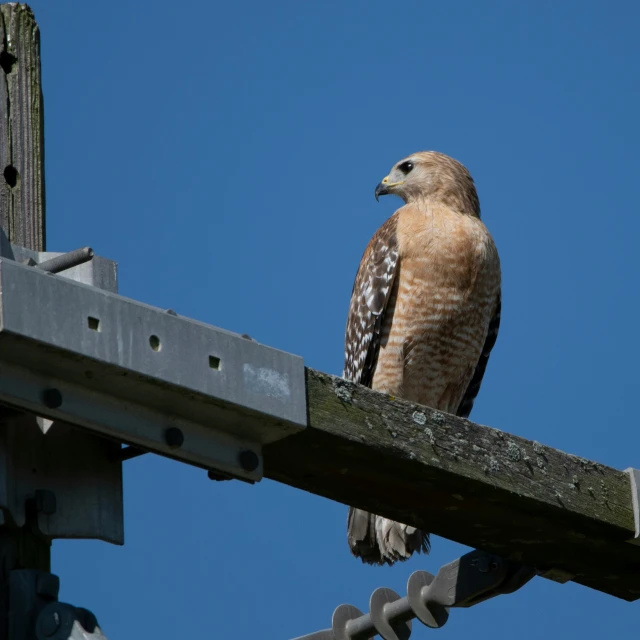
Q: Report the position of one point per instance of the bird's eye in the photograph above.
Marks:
(405, 167)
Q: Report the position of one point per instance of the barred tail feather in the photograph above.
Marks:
(377, 540)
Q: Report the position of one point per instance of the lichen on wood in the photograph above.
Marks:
(474, 484)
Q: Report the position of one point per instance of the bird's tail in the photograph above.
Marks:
(377, 540)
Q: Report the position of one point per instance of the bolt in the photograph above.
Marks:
(218, 476)
(174, 437)
(50, 625)
(248, 460)
(51, 398)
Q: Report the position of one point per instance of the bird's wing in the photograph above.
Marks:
(464, 409)
(369, 298)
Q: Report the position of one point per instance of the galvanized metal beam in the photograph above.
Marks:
(143, 376)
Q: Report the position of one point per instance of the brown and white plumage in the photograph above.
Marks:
(424, 314)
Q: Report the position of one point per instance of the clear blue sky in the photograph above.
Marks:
(225, 154)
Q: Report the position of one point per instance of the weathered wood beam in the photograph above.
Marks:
(479, 486)
(22, 199)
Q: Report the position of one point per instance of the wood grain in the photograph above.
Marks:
(22, 199)
(569, 517)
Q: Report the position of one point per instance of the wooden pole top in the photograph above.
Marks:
(22, 199)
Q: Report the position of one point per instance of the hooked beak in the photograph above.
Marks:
(384, 188)
(381, 190)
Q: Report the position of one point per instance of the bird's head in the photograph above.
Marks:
(432, 176)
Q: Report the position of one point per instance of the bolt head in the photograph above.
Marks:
(50, 624)
(249, 460)
(174, 437)
(51, 398)
(218, 476)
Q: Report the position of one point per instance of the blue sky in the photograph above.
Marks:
(225, 154)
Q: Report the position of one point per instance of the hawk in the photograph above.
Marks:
(424, 314)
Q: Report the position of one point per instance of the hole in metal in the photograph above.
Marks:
(214, 363)
(154, 343)
(93, 323)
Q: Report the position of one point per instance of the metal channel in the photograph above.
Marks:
(130, 371)
(127, 421)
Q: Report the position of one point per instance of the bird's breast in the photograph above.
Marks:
(441, 304)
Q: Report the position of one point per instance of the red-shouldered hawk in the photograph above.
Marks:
(424, 314)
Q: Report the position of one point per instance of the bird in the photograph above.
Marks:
(424, 314)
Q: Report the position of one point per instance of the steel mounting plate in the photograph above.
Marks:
(130, 371)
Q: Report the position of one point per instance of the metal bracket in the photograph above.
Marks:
(145, 377)
(40, 457)
(61, 621)
(34, 610)
(465, 582)
(79, 362)
(80, 265)
(634, 477)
